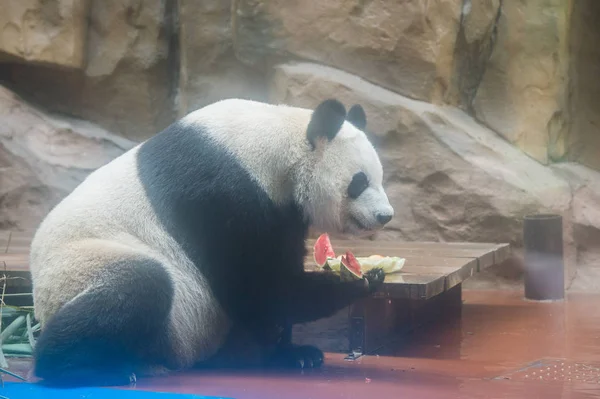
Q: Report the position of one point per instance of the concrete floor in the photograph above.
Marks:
(502, 347)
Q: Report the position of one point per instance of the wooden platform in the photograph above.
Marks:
(14, 249)
(14, 262)
(430, 268)
(428, 288)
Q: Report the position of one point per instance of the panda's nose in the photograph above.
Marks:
(384, 218)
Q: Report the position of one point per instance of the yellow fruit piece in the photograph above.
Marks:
(389, 264)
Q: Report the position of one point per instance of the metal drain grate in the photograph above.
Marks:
(558, 370)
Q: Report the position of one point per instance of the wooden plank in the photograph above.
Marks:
(4, 241)
(453, 270)
(486, 254)
(24, 233)
(484, 258)
(453, 275)
(502, 253)
(14, 256)
(15, 262)
(420, 285)
(425, 279)
(412, 286)
(421, 274)
(20, 241)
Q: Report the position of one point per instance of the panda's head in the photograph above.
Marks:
(341, 187)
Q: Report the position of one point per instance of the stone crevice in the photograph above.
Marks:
(488, 54)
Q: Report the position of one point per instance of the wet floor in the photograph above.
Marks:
(502, 347)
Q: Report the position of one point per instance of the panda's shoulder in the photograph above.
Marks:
(233, 106)
(233, 110)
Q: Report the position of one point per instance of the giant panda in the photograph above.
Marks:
(188, 249)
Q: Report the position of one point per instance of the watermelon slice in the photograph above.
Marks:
(322, 250)
(350, 269)
(325, 258)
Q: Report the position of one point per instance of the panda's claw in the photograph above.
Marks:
(375, 278)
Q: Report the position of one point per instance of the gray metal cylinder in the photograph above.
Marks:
(544, 263)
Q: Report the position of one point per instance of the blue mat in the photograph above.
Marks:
(21, 390)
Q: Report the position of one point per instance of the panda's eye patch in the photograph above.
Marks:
(358, 184)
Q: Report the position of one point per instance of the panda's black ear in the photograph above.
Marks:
(357, 116)
(326, 121)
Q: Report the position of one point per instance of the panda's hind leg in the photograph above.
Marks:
(111, 330)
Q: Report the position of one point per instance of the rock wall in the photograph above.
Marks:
(483, 111)
(522, 94)
(584, 143)
(50, 32)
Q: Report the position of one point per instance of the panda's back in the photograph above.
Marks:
(131, 195)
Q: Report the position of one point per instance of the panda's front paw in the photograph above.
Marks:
(375, 278)
(298, 357)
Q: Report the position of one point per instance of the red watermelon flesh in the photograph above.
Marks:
(351, 264)
(323, 250)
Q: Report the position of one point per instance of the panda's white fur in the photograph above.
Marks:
(110, 219)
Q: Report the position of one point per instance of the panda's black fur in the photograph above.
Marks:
(238, 237)
(96, 338)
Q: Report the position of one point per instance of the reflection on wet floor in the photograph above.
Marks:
(499, 348)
